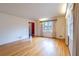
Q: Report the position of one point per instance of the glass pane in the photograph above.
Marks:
(50, 23)
(46, 23)
(47, 26)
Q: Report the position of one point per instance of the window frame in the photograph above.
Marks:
(47, 27)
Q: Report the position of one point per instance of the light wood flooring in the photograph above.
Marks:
(39, 46)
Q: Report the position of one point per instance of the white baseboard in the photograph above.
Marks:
(4, 43)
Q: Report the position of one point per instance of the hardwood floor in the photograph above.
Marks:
(37, 47)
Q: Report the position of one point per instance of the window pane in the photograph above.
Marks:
(47, 26)
(45, 23)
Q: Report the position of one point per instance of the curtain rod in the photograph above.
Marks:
(48, 20)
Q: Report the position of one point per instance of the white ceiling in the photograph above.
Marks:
(34, 10)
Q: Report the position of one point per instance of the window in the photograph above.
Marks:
(70, 25)
(47, 26)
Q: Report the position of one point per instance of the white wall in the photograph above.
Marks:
(12, 28)
(60, 27)
(38, 28)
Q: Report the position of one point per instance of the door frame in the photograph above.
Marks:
(30, 29)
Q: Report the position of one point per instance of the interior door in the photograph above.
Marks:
(33, 28)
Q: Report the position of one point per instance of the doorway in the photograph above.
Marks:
(31, 29)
